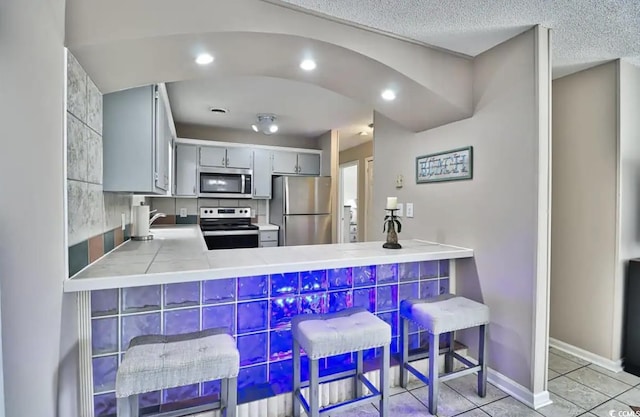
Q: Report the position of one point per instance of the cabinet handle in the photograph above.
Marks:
(223, 158)
(194, 190)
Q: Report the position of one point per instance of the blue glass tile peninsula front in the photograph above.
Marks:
(257, 311)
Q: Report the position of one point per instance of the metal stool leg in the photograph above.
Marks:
(384, 381)
(404, 351)
(434, 350)
(296, 378)
(448, 357)
(232, 397)
(482, 361)
(357, 387)
(314, 389)
(124, 407)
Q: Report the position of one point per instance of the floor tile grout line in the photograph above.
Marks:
(597, 390)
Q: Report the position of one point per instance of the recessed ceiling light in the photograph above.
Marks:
(308, 65)
(204, 59)
(363, 133)
(388, 95)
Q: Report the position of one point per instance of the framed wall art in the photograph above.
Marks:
(453, 165)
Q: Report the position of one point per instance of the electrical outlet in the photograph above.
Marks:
(409, 209)
(183, 212)
(400, 208)
(123, 221)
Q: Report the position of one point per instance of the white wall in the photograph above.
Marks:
(350, 183)
(32, 248)
(189, 131)
(584, 209)
(629, 189)
(495, 213)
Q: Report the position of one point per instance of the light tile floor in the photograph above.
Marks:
(577, 388)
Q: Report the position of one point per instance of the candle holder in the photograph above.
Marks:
(390, 222)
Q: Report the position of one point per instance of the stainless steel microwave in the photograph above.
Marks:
(224, 183)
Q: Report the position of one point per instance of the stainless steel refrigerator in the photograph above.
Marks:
(301, 206)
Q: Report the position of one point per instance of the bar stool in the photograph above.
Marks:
(158, 362)
(443, 314)
(323, 335)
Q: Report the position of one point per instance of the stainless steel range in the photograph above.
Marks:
(228, 228)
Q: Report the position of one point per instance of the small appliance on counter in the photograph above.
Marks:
(228, 228)
(141, 222)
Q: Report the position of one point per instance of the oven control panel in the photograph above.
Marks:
(225, 212)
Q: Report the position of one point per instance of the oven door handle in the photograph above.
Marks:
(230, 233)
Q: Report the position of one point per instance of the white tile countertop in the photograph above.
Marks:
(267, 227)
(179, 254)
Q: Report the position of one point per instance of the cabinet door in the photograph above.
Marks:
(309, 164)
(128, 141)
(161, 147)
(239, 157)
(261, 173)
(285, 162)
(185, 170)
(212, 156)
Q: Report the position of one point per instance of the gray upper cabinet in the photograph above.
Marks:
(185, 170)
(136, 140)
(287, 162)
(261, 174)
(309, 164)
(211, 156)
(232, 157)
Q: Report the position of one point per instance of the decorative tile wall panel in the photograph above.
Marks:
(219, 291)
(259, 322)
(253, 287)
(182, 294)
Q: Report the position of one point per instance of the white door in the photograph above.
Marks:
(368, 195)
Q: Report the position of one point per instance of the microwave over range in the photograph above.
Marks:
(224, 183)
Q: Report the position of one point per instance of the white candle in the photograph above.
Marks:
(392, 203)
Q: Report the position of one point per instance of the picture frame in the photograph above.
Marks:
(451, 165)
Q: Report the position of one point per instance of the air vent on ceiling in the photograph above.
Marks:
(219, 110)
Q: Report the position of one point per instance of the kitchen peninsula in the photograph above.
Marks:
(172, 284)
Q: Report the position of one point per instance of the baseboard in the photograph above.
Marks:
(611, 365)
(517, 391)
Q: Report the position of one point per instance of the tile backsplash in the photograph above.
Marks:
(92, 214)
(172, 206)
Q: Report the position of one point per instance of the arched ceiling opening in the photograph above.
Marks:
(125, 64)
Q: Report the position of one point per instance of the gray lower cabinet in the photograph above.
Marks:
(261, 174)
(292, 163)
(268, 238)
(186, 170)
(136, 142)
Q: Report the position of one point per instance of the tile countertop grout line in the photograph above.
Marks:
(331, 256)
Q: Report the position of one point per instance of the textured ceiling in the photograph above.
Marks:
(585, 32)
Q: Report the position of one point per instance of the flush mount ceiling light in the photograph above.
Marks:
(266, 124)
(204, 59)
(363, 133)
(308, 65)
(388, 95)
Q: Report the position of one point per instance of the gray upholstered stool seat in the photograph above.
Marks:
(324, 335)
(443, 314)
(158, 362)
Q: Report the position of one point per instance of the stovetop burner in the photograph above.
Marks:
(226, 218)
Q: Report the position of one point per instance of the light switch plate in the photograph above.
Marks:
(123, 220)
(183, 212)
(400, 208)
(409, 209)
